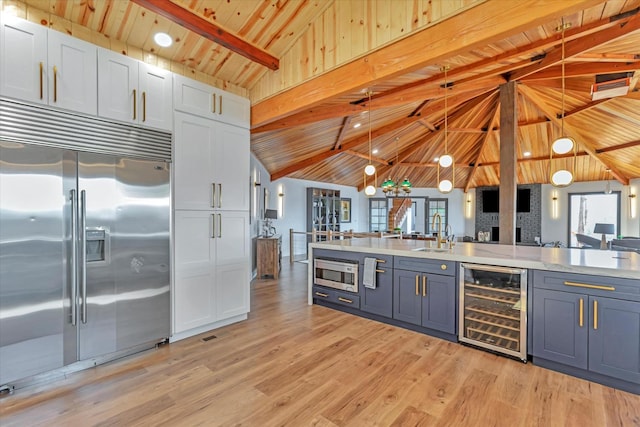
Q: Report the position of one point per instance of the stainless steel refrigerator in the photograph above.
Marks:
(84, 257)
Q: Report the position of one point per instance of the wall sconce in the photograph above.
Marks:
(467, 206)
(632, 204)
(256, 192)
(281, 202)
(554, 205)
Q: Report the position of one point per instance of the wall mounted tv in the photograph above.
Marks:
(491, 200)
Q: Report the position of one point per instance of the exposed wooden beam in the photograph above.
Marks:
(209, 30)
(618, 147)
(492, 123)
(576, 47)
(537, 100)
(537, 159)
(619, 57)
(343, 130)
(577, 70)
(366, 157)
(586, 107)
(508, 164)
(483, 24)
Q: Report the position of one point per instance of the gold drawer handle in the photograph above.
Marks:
(320, 294)
(581, 312)
(381, 260)
(345, 300)
(381, 271)
(584, 285)
(417, 291)
(595, 314)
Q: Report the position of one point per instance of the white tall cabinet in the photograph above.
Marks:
(211, 222)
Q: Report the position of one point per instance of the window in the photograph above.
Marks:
(378, 214)
(440, 206)
(588, 209)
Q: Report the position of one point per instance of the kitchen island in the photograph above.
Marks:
(580, 308)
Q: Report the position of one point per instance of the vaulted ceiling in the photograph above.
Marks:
(303, 122)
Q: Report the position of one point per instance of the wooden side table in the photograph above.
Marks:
(269, 255)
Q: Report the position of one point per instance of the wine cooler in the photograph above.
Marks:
(493, 308)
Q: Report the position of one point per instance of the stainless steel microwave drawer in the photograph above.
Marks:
(614, 287)
(422, 265)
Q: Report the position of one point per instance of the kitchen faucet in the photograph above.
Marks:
(433, 225)
(450, 236)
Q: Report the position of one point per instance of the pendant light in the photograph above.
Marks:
(370, 169)
(446, 160)
(607, 185)
(564, 144)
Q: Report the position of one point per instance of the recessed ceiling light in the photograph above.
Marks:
(375, 151)
(163, 39)
(527, 153)
(356, 125)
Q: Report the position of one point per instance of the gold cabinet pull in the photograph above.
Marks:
(220, 225)
(55, 84)
(584, 285)
(219, 195)
(443, 267)
(380, 260)
(213, 194)
(320, 294)
(213, 226)
(144, 106)
(581, 323)
(417, 291)
(135, 95)
(41, 83)
(220, 105)
(380, 271)
(595, 314)
(345, 300)
(214, 104)
(424, 286)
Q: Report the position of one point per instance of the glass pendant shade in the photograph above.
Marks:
(406, 184)
(446, 160)
(562, 145)
(445, 186)
(369, 169)
(370, 190)
(561, 178)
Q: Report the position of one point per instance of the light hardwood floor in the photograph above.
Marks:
(292, 364)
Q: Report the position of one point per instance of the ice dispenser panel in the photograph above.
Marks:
(97, 240)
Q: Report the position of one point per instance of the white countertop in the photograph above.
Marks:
(584, 261)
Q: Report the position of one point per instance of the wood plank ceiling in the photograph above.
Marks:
(307, 130)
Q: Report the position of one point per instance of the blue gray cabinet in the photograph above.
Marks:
(379, 300)
(588, 322)
(423, 298)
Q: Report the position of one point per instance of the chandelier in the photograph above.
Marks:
(396, 188)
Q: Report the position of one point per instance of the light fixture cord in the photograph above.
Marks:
(446, 136)
(369, 92)
(562, 64)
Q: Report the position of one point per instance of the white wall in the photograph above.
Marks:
(554, 229)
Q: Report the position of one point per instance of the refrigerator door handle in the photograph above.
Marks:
(74, 258)
(83, 251)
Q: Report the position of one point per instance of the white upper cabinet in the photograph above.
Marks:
(203, 100)
(72, 72)
(133, 92)
(23, 58)
(231, 167)
(47, 67)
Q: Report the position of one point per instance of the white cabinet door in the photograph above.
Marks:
(117, 86)
(23, 60)
(232, 290)
(231, 167)
(206, 101)
(232, 237)
(193, 183)
(156, 97)
(194, 293)
(72, 71)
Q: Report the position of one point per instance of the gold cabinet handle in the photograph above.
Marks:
(144, 106)
(424, 286)
(417, 292)
(55, 84)
(380, 260)
(213, 226)
(595, 314)
(345, 300)
(214, 104)
(41, 83)
(581, 323)
(220, 225)
(213, 194)
(135, 95)
(584, 285)
(320, 294)
(380, 271)
(219, 195)
(220, 105)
